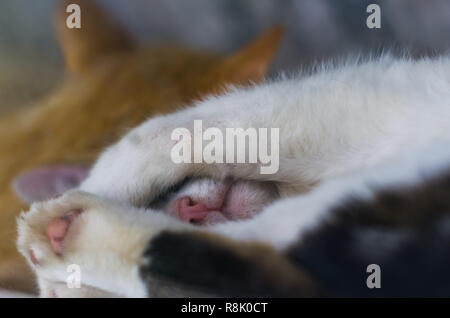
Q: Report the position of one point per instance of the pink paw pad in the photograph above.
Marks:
(58, 228)
(33, 258)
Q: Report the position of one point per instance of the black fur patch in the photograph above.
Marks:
(405, 230)
(219, 267)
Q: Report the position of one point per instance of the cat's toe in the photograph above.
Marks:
(33, 258)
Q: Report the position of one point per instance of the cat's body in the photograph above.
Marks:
(371, 141)
(112, 86)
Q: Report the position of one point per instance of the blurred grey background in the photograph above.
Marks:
(30, 61)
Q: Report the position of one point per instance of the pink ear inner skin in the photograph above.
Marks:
(48, 182)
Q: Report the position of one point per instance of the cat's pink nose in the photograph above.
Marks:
(191, 211)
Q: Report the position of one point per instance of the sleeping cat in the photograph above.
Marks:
(112, 85)
(363, 179)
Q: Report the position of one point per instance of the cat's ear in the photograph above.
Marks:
(47, 182)
(251, 63)
(98, 36)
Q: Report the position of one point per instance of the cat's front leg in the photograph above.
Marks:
(82, 237)
(163, 151)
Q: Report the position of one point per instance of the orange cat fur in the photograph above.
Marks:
(112, 86)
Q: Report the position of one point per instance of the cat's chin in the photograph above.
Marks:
(205, 202)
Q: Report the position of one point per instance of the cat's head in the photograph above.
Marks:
(204, 201)
(104, 55)
(113, 85)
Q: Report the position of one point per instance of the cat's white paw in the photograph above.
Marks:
(43, 231)
(82, 230)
